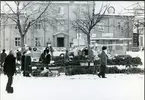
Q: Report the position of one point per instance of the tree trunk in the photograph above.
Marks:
(88, 40)
(22, 43)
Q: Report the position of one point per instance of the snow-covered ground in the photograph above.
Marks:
(77, 87)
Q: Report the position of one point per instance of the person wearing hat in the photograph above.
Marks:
(3, 56)
(103, 61)
(10, 70)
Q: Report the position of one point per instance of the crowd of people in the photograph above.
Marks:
(8, 62)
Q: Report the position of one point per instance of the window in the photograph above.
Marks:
(141, 41)
(82, 10)
(118, 47)
(60, 25)
(79, 35)
(98, 41)
(101, 26)
(135, 39)
(105, 42)
(119, 42)
(37, 25)
(38, 42)
(60, 10)
(110, 41)
(17, 41)
(60, 42)
(93, 35)
(119, 25)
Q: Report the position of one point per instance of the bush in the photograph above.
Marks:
(136, 61)
(126, 60)
(112, 70)
(118, 60)
(79, 70)
(129, 70)
(109, 70)
(135, 70)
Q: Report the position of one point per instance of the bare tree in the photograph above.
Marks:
(137, 10)
(25, 15)
(89, 21)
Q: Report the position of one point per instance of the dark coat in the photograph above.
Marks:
(85, 51)
(18, 55)
(27, 63)
(103, 58)
(66, 58)
(22, 62)
(3, 57)
(10, 65)
(45, 59)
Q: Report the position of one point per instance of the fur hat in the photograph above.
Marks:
(104, 48)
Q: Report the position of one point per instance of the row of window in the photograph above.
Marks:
(109, 41)
(37, 41)
(61, 25)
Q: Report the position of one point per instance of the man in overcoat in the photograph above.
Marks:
(9, 70)
(103, 61)
(3, 56)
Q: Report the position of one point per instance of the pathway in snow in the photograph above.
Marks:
(78, 87)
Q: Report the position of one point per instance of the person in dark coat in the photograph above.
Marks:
(22, 61)
(9, 70)
(27, 64)
(45, 57)
(3, 56)
(42, 57)
(103, 61)
(51, 51)
(85, 50)
(18, 55)
(66, 58)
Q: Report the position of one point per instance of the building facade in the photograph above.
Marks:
(113, 31)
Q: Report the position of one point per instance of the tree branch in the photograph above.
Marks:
(31, 23)
(10, 8)
(25, 6)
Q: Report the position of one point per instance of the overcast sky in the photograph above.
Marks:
(118, 5)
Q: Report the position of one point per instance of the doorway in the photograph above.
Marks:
(60, 42)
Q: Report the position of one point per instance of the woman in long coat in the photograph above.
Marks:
(27, 64)
(9, 70)
(22, 61)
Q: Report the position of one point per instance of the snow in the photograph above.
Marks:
(77, 87)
